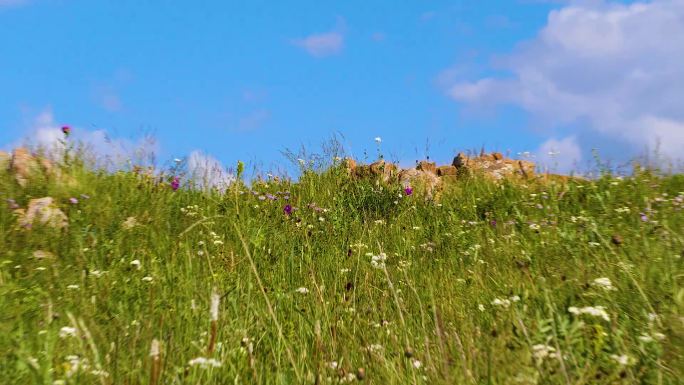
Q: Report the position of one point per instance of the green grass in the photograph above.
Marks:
(426, 315)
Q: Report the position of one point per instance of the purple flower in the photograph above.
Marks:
(66, 130)
(287, 209)
(73, 201)
(408, 191)
(493, 223)
(644, 217)
(175, 183)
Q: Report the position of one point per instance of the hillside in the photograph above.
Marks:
(340, 277)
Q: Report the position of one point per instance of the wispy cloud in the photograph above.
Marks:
(207, 172)
(44, 132)
(321, 45)
(602, 65)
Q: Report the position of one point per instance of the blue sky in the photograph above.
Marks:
(245, 80)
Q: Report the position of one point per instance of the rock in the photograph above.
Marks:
(380, 169)
(24, 166)
(5, 159)
(43, 211)
(425, 180)
(349, 164)
(446, 170)
(427, 166)
(494, 166)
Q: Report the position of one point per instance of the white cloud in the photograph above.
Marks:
(617, 69)
(45, 133)
(559, 155)
(320, 45)
(207, 172)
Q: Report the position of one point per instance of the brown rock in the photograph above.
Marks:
(43, 211)
(461, 160)
(494, 166)
(427, 166)
(349, 164)
(383, 169)
(423, 180)
(446, 170)
(24, 166)
(5, 159)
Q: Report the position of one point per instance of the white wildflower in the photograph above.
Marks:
(147, 279)
(378, 261)
(481, 307)
(374, 348)
(416, 364)
(135, 263)
(67, 331)
(541, 351)
(378, 140)
(214, 308)
(204, 362)
(623, 359)
(594, 311)
(505, 303)
(302, 290)
(72, 287)
(604, 283)
(155, 348)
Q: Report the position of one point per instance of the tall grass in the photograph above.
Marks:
(492, 284)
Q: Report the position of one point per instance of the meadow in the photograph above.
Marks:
(329, 279)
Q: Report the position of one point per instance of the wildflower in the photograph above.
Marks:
(374, 348)
(66, 130)
(378, 140)
(481, 307)
(154, 349)
(623, 359)
(302, 290)
(73, 201)
(135, 263)
(204, 362)
(129, 223)
(416, 364)
(147, 279)
(175, 183)
(287, 209)
(177, 160)
(67, 331)
(214, 309)
(505, 303)
(535, 227)
(604, 283)
(72, 287)
(644, 217)
(541, 351)
(594, 311)
(378, 261)
(408, 190)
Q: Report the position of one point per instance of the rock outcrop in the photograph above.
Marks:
(493, 165)
(42, 211)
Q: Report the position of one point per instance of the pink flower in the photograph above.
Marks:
(66, 130)
(408, 191)
(175, 183)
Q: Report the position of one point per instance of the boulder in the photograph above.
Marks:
(425, 165)
(425, 180)
(380, 169)
(5, 159)
(43, 211)
(24, 166)
(494, 166)
(446, 170)
(349, 164)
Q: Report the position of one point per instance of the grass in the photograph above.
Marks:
(358, 284)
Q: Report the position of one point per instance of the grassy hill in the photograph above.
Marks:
(335, 280)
